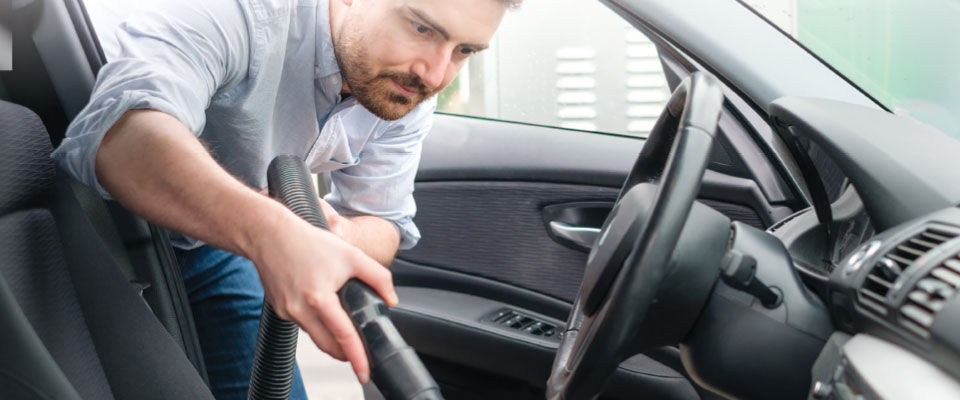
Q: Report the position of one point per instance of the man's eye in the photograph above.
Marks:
(467, 51)
(421, 28)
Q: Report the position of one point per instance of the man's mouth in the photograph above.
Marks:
(404, 90)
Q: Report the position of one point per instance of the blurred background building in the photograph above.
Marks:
(567, 63)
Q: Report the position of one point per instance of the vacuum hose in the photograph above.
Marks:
(396, 368)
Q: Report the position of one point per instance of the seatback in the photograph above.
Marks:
(71, 325)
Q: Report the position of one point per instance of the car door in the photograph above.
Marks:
(520, 172)
(508, 202)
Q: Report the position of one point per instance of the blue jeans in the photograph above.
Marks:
(226, 298)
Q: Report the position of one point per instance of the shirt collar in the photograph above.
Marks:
(326, 63)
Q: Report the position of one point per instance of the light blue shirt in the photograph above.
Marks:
(255, 79)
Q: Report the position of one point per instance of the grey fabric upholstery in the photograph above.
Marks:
(26, 172)
(32, 263)
(77, 325)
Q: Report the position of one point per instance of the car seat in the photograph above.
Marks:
(71, 325)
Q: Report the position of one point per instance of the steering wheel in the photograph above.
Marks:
(630, 260)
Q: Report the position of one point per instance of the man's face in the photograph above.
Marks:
(393, 54)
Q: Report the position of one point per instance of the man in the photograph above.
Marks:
(201, 96)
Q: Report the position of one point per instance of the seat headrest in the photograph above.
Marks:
(26, 170)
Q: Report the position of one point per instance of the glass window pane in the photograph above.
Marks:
(900, 52)
(565, 63)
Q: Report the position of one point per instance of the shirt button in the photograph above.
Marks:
(316, 70)
(334, 80)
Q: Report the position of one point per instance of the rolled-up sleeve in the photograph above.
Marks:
(172, 60)
(381, 184)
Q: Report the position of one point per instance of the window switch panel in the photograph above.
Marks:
(521, 322)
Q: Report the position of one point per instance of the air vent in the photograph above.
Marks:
(929, 295)
(892, 265)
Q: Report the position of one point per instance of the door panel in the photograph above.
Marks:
(496, 230)
(505, 363)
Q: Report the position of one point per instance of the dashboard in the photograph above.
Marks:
(888, 272)
(894, 303)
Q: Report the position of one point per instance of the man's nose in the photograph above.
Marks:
(432, 68)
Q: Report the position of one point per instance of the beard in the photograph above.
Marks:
(376, 91)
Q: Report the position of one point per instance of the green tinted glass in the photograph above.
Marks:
(902, 53)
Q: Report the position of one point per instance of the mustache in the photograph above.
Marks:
(407, 80)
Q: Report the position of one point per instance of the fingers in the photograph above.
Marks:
(378, 278)
(324, 341)
(332, 217)
(340, 327)
(327, 209)
(311, 324)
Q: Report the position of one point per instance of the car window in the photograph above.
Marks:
(563, 63)
(901, 53)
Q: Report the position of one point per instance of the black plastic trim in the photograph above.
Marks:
(901, 168)
(87, 35)
(177, 296)
(454, 336)
(410, 274)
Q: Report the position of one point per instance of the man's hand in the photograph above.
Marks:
(302, 268)
(338, 224)
(376, 236)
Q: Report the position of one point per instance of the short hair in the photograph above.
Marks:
(512, 3)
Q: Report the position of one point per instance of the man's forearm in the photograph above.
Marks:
(377, 237)
(154, 165)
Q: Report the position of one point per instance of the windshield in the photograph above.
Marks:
(902, 53)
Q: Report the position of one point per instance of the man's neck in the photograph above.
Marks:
(337, 11)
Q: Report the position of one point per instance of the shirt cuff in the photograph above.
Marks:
(409, 234)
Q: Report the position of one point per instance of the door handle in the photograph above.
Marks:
(583, 236)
